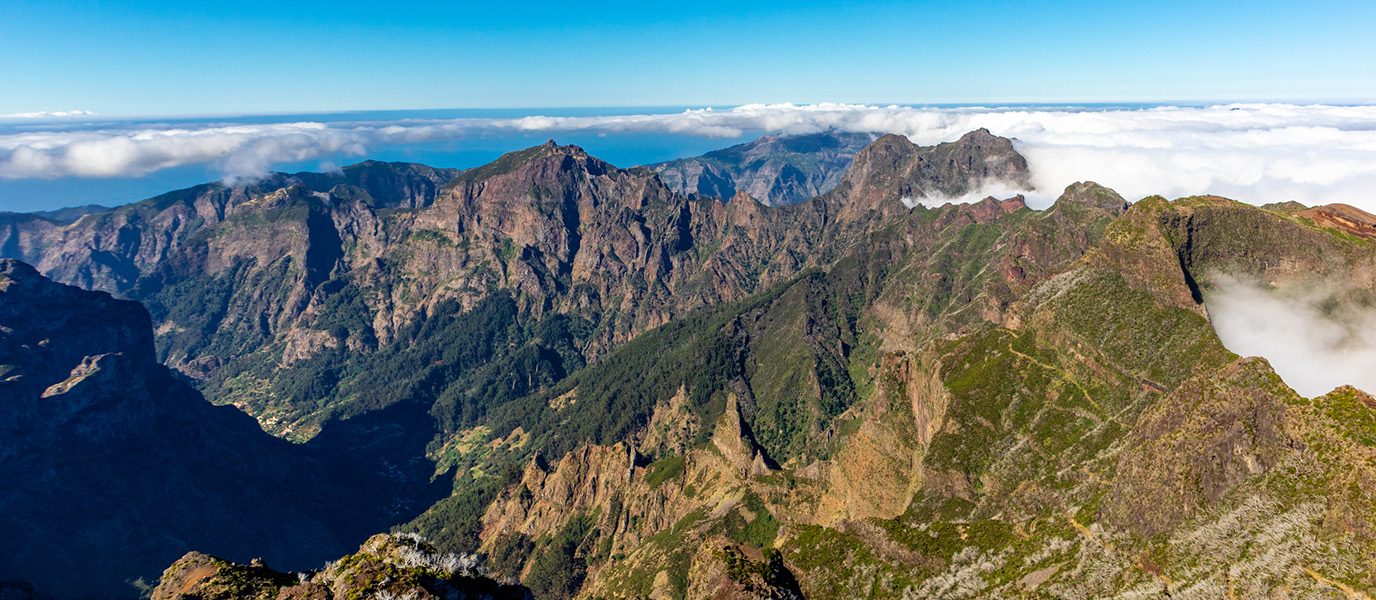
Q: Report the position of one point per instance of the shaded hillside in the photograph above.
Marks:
(775, 169)
(113, 467)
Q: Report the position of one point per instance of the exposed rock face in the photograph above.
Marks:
(894, 168)
(1082, 434)
(1343, 217)
(723, 570)
(737, 445)
(1193, 447)
(384, 566)
(776, 169)
(103, 448)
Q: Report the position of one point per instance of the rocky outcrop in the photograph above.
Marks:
(1192, 448)
(732, 438)
(1343, 217)
(386, 566)
(723, 570)
(893, 169)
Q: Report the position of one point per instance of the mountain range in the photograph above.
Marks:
(627, 386)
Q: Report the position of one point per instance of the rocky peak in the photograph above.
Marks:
(533, 160)
(1087, 195)
(736, 442)
(777, 169)
(892, 169)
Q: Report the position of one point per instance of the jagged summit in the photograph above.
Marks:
(1087, 195)
(893, 173)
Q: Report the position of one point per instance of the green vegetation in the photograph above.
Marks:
(661, 471)
(508, 555)
(504, 164)
(558, 568)
(455, 522)
(1353, 412)
(761, 528)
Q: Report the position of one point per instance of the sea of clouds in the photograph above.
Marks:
(1257, 153)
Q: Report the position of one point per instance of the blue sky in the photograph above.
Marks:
(174, 58)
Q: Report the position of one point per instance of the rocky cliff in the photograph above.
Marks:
(385, 566)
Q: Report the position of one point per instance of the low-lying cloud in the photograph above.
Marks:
(997, 189)
(1315, 339)
(48, 114)
(1256, 153)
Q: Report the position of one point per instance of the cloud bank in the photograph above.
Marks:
(1315, 339)
(1256, 153)
(45, 114)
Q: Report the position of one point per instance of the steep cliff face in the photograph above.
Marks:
(113, 466)
(893, 168)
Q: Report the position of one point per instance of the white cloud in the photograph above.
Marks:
(1315, 338)
(1256, 153)
(43, 114)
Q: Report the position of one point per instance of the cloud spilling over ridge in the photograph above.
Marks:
(1313, 339)
(997, 189)
(1257, 153)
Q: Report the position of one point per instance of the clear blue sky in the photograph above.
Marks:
(177, 57)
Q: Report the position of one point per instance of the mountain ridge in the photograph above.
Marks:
(642, 394)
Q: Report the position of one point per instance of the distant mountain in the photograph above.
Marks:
(774, 169)
(113, 467)
(65, 215)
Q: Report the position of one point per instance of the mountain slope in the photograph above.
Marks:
(1087, 436)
